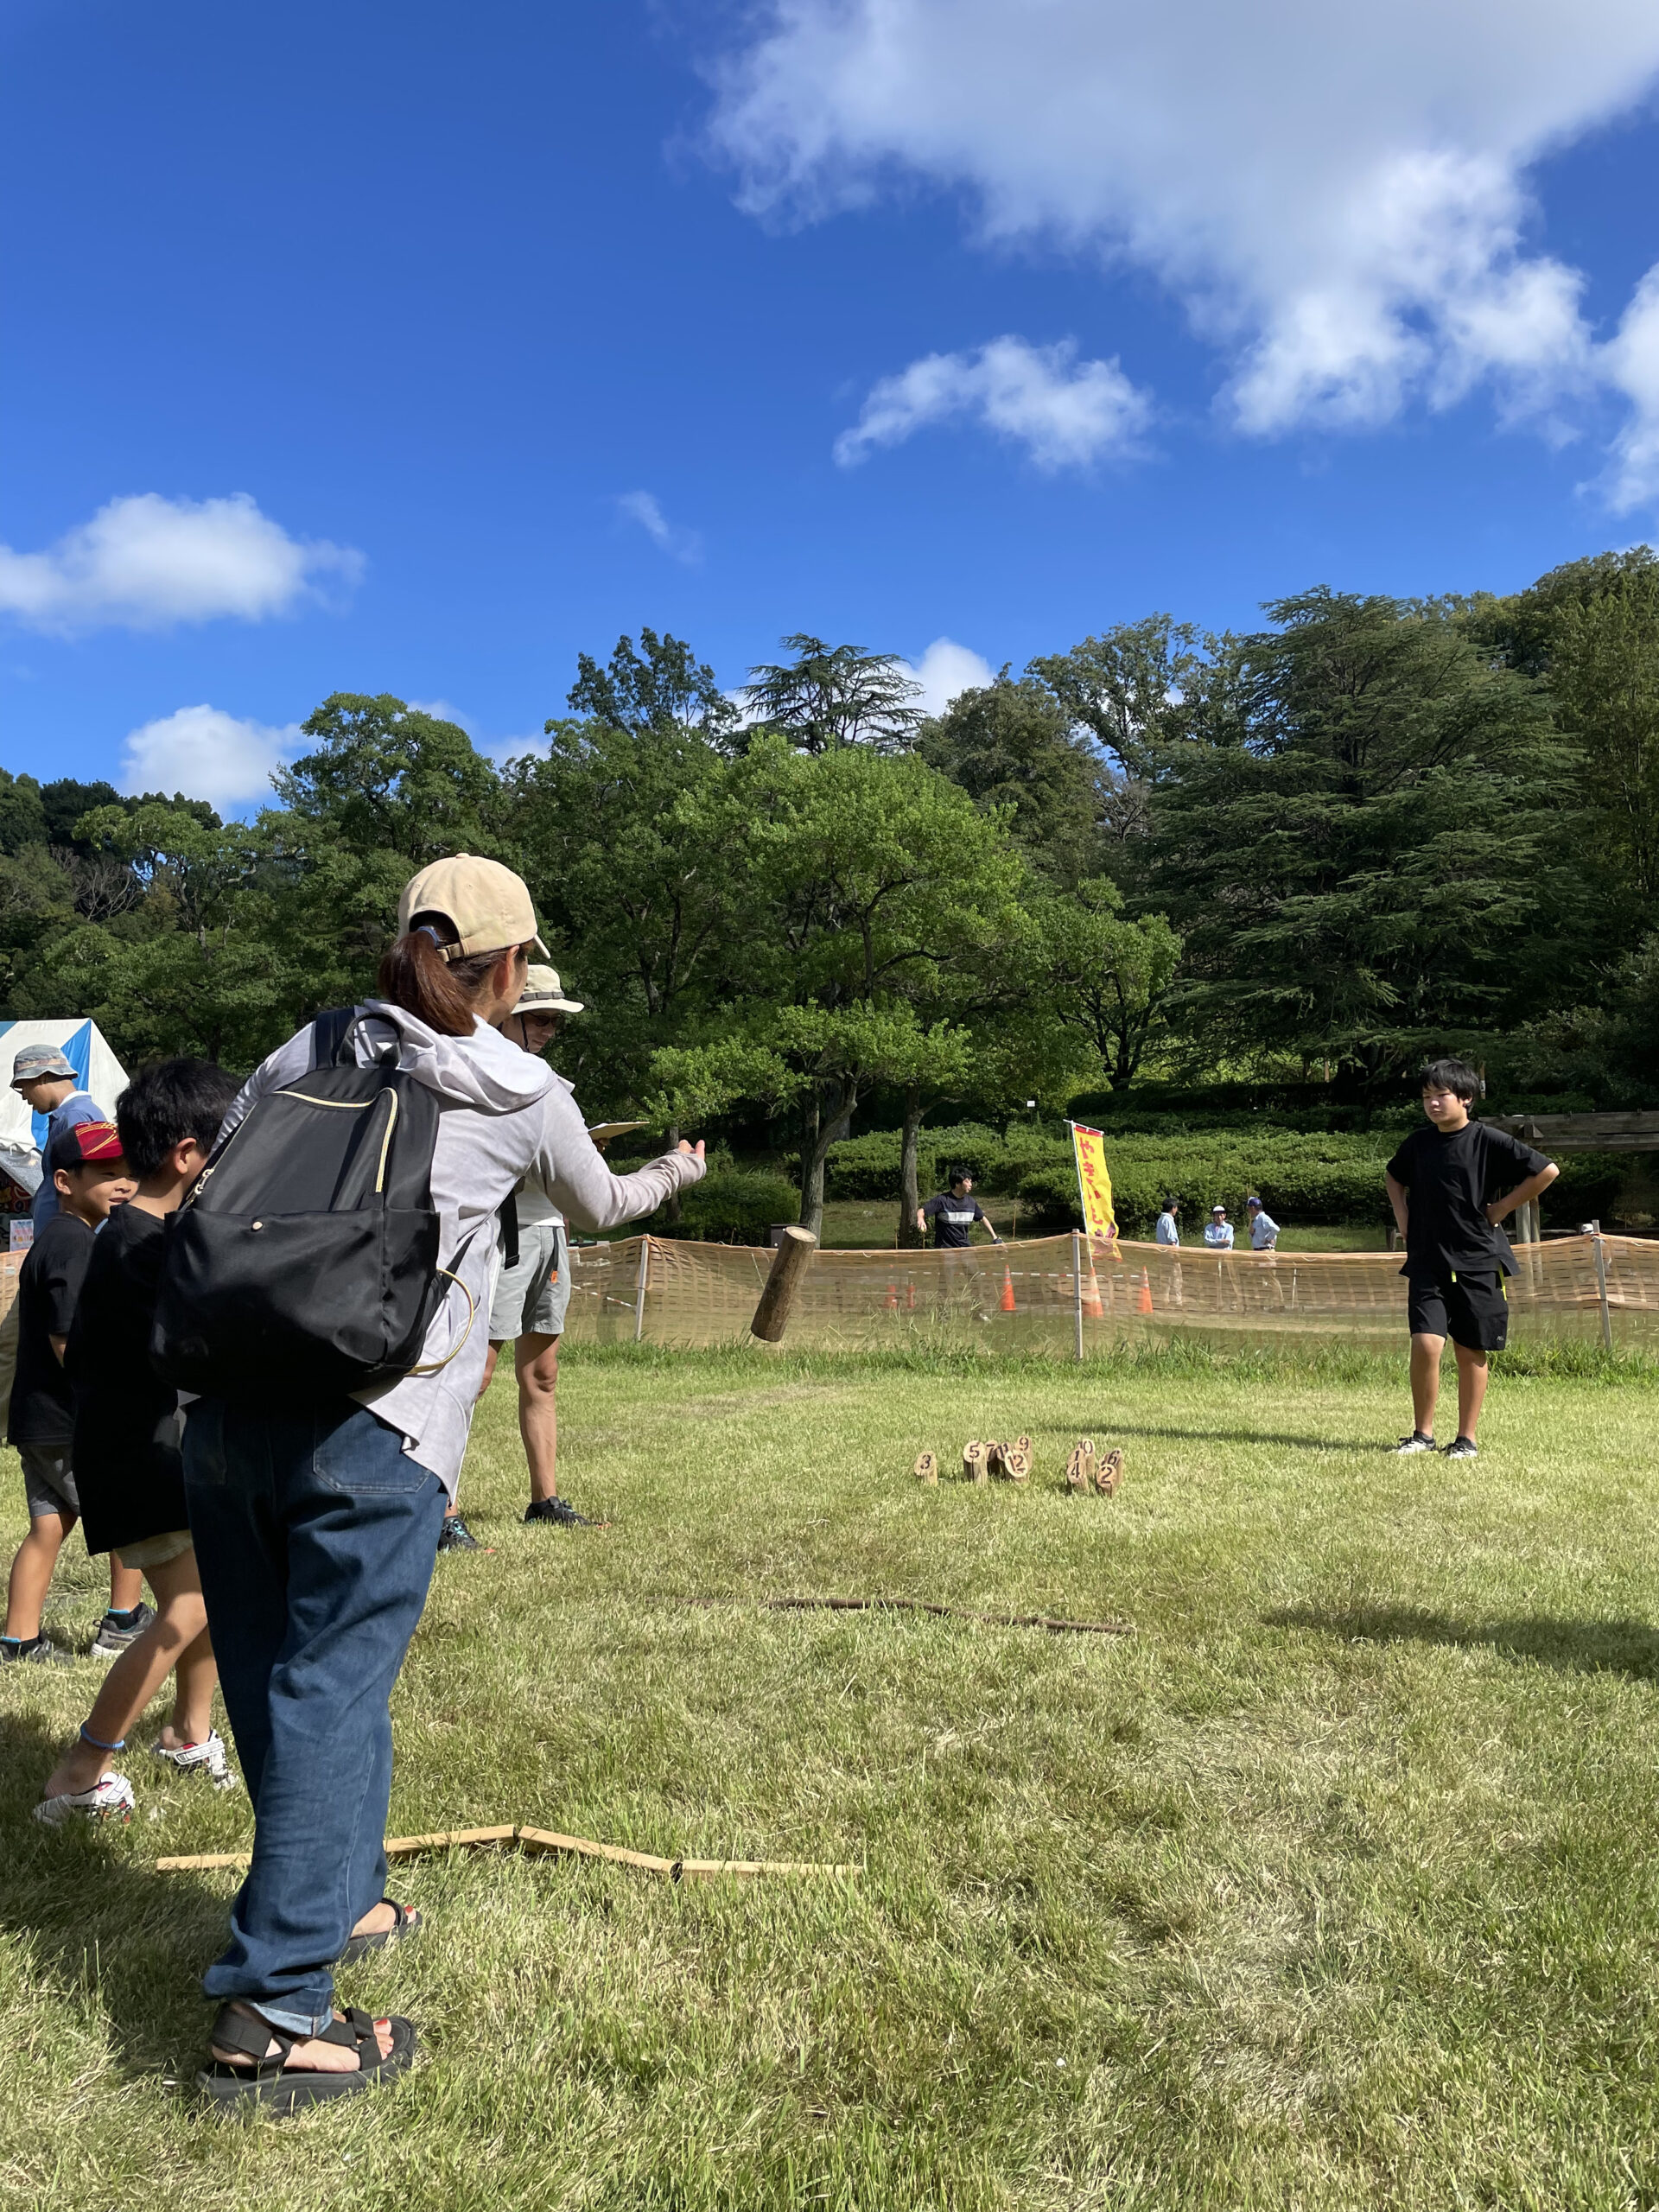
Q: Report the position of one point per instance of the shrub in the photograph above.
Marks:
(1325, 1179)
(734, 1205)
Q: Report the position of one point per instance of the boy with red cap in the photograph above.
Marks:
(85, 1167)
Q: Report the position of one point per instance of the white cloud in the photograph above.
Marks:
(679, 544)
(146, 563)
(1338, 194)
(1631, 359)
(207, 754)
(944, 671)
(1065, 412)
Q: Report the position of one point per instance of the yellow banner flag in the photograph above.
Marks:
(1094, 1184)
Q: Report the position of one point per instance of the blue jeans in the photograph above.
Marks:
(316, 1535)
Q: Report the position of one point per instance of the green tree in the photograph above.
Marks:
(1012, 745)
(1106, 977)
(1604, 678)
(386, 779)
(1348, 836)
(831, 696)
(665, 688)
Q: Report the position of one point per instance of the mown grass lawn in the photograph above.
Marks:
(1332, 1886)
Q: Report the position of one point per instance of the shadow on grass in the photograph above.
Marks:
(1572, 1646)
(1159, 1432)
(100, 1927)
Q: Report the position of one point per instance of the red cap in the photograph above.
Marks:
(83, 1141)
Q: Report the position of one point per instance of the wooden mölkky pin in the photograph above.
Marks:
(1108, 1474)
(1016, 1463)
(1080, 1465)
(927, 1469)
(973, 1462)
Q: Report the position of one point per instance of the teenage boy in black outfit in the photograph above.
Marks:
(1449, 1185)
(85, 1165)
(129, 1456)
(953, 1215)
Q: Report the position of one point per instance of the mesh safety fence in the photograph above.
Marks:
(1055, 1293)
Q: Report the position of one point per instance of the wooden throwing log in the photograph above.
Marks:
(788, 1265)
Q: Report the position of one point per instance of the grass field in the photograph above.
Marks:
(1332, 1886)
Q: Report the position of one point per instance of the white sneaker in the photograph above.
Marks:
(1415, 1442)
(209, 1757)
(109, 1799)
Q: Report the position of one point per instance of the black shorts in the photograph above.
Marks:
(1472, 1310)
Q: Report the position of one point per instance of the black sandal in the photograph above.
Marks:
(268, 2081)
(407, 1921)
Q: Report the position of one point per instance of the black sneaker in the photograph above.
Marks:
(117, 1630)
(31, 1651)
(1461, 1447)
(1415, 1442)
(558, 1511)
(456, 1537)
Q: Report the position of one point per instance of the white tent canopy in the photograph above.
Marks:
(96, 1070)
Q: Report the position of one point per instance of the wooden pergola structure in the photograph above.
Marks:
(1554, 1133)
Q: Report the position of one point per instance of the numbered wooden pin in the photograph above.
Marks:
(927, 1468)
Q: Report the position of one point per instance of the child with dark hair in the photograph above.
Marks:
(85, 1167)
(128, 1451)
(1450, 1186)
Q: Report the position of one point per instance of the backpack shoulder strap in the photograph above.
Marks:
(330, 1030)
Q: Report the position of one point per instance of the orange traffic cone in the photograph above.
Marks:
(1008, 1289)
(910, 1295)
(1091, 1304)
(892, 1298)
(1143, 1304)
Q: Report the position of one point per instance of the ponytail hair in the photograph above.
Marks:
(415, 975)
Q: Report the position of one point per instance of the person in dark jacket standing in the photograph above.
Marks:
(1452, 1186)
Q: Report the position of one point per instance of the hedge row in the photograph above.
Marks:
(732, 1205)
(1309, 1175)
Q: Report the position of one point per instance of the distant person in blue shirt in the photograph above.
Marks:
(48, 1085)
(1264, 1230)
(1218, 1231)
(1168, 1232)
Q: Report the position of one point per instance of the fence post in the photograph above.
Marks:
(1601, 1289)
(639, 1296)
(1077, 1282)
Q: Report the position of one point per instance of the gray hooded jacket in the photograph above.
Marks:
(505, 1114)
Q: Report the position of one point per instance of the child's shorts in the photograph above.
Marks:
(1472, 1310)
(48, 1480)
(153, 1551)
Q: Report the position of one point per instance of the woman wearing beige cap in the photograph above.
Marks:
(316, 1524)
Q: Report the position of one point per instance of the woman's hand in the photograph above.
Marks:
(694, 1150)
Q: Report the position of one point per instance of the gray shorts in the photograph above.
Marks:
(153, 1551)
(531, 1298)
(48, 1480)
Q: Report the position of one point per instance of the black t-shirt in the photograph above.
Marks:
(48, 1286)
(952, 1218)
(128, 1457)
(1452, 1176)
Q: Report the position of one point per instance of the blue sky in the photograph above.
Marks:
(417, 349)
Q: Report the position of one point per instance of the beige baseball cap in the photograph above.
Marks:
(544, 994)
(489, 905)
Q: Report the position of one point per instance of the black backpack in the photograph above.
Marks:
(303, 1264)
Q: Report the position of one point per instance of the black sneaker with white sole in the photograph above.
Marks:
(557, 1510)
(31, 1651)
(1415, 1442)
(117, 1630)
(456, 1537)
(1461, 1447)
